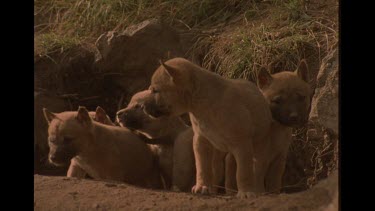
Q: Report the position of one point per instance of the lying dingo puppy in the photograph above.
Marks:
(175, 141)
(103, 151)
(230, 115)
(99, 116)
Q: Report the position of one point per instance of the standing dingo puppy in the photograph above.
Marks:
(229, 115)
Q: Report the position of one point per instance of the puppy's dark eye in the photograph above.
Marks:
(68, 140)
(137, 106)
(276, 99)
(154, 91)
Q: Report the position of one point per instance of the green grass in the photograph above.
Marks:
(92, 17)
(50, 43)
(284, 31)
(276, 40)
(85, 20)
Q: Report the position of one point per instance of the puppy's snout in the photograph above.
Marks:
(120, 113)
(128, 119)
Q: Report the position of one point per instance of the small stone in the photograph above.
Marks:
(123, 186)
(110, 185)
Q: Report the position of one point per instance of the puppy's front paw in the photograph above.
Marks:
(200, 189)
(245, 195)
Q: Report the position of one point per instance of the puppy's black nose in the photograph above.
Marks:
(119, 114)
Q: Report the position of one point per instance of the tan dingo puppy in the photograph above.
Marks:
(230, 115)
(99, 116)
(174, 145)
(103, 151)
(288, 94)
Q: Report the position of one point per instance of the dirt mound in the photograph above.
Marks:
(119, 65)
(75, 194)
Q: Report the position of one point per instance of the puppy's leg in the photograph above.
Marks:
(275, 174)
(245, 167)
(75, 170)
(183, 165)
(260, 168)
(165, 164)
(203, 159)
(218, 163)
(166, 180)
(230, 174)
(155, 181)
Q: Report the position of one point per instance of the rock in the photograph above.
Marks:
(134, 54)
(110, 185)
(324, 105)
(322, 131)
(313, 153)
(334, 205)
(66, 72)
(331, 186)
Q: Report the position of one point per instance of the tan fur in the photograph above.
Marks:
(288, 94)
(75, 170)
(175, 141)
(103, 151)
(227, 115)
(99, 116)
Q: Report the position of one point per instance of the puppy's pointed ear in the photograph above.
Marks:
(100, 115)
(303, 71)
(83, 116)
(48, 115)
(264, 78)
(172, 72)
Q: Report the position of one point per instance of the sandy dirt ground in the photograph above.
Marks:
(62, 193)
